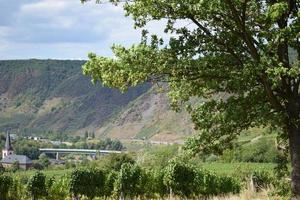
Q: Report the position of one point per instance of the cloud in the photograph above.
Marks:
(62, 29)
(46, 6)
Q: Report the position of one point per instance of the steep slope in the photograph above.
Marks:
(149, 117)
(54, 95)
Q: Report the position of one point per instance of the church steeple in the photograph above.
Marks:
(8, 143)
(8, 150)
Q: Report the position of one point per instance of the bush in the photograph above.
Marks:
(17, 190)
(211, 184)
(36, 186)
(5, 183)
(128, 182)
(211, 158)
(180, 178)
(261, 151)
(109, 183)
(87, 182)
(115, 161)
(58, 189)
(261, 179)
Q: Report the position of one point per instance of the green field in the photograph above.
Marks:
(233, 168)
(49, 173)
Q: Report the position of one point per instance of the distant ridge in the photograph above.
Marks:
(53, 95)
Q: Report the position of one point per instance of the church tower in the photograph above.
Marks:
(8, 150)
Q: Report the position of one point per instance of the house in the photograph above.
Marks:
(9, 158)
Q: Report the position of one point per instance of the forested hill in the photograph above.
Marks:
(54, 95)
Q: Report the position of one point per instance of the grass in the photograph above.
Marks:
(147, 132)
(247, 194)
(56, 173)
(233, 168)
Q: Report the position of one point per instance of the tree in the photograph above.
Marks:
(15, 166)
(36, 186)
(44, 160)
(242, 56)
(115, 161)
(86, 135)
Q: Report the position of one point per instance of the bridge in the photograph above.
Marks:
(91, 152)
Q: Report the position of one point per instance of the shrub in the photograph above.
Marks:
(109, 183)
(5, 183)
(180, 178)
(115, 161)
(17, 190)
(58, 189)
(210, 184)
(128, 182)
(87, 182)
(261, 151)
(261, 179)
(36, 186)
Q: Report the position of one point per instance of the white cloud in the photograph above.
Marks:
(64, 29)
(45, 6)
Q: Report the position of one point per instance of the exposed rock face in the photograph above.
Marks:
(150, 117)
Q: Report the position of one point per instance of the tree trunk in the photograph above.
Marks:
(294, 142)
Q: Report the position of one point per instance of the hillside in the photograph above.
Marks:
(53, 95)
(149, 117)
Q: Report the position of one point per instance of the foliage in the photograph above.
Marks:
(128, 182)
(158, 156)
(158, 182)
(131, 181)
(5, 184)
(106, 144)
(115, 161)
(109, 183)
(17, 189)
(281, 181)
(211, 184)
(234, 54)
(261, 179)
(87, 182)
(15, 166)
(2, 169)
(180, 178)
(58, 190)
(263, 150)
(44, 160)
(36, 186)
(30, 148)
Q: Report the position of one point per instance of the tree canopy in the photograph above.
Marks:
(241, 56)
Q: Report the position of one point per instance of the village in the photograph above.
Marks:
(12, 160)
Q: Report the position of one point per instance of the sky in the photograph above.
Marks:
(63, 29)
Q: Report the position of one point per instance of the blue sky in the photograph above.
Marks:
(63, 29)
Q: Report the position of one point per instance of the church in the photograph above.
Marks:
(9, 158)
